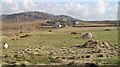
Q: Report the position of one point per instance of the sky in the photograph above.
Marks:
(81, 9)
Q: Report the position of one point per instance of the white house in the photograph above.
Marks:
(56, 25)
(76, 22)
(73, 22)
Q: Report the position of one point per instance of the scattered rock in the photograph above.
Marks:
(91, 65)
(63, 48)
(107, 29)
(64, 55)
(106, 44)
(87, 35)
(28, 49)
(5, 55)
(78, 46)
(75, 33)
(25, 35)
(26, 62)
(17, 63)
(14, 38)
(23, 65)
(55, 59)
(70, 57)
(80, 33)
(71, 63)
(82, 57)
(67, 62)
(87, 56)
(36, 53)
(97, 51)
(20, 31)
(99, 55)
(94, 36)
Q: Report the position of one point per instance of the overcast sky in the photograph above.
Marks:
(81, 9)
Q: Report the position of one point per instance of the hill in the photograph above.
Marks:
(34, 15)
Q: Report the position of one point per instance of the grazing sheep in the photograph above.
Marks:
(5, 46)
(50, 30)
(73, 33)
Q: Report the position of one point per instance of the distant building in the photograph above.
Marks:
(73, 23)
(60, 23)
(57, 25)
(76, 22)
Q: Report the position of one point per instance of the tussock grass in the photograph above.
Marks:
(58, 39)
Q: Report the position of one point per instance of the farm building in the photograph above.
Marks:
(57, 25)
(73, 23)
(60, 23)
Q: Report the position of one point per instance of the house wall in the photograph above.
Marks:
(56, 24)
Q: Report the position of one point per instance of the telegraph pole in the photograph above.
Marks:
(17, 25)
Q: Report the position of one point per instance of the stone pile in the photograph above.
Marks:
(95, 43)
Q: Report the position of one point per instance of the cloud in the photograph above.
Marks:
(10, 7)
(8, 1)
(83, 10)
(76, 9)
(101, 6)
(28, 4)
(97, 8)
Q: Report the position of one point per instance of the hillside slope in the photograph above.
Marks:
(34, 15)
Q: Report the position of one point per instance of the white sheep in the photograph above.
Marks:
(5, 46)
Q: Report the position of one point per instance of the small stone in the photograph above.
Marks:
(67, 62)
(70, 57)
(100, 55)
(55, 59)
(17, 63)
(82, 57)
(88, 56)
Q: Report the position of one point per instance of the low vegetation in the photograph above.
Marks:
(59, 45)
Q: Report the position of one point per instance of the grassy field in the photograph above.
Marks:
(50, 44)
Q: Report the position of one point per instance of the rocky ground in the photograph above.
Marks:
(91, 51)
